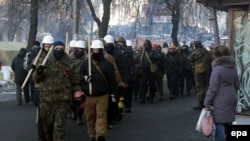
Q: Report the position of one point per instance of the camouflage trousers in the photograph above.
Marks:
(54, 119)
(96, 115)
(201, 85)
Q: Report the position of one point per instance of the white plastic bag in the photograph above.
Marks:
(198, 125)
(207, 123)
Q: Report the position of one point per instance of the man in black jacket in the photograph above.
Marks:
(149, 60)
(20, 75)
(103, 85)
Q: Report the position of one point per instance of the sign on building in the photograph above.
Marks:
(162, 19)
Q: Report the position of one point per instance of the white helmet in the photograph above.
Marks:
(129, 43)
(97, 44)
(72, 43)
(80, 44)
(48, 39)
(109, 39)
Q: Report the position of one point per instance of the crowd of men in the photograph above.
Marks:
(102, 79)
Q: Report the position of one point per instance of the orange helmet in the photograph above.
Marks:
(171, 46)
(79, 100)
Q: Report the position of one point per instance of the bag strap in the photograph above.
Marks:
(100, 72)
(148, 57)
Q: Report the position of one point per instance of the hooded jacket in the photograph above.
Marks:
(223, 86)
(17, 67)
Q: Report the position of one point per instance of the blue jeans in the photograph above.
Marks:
(220, 131)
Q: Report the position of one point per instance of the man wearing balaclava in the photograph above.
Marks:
(102, 81)
(78, 56)
(149, 59)
(57, 79)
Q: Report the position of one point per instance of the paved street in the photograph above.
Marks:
(169, 120)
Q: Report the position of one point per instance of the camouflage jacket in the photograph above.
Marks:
(58, 81)
(77, 61)
(198, 56)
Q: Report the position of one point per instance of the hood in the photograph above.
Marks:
(226, 61)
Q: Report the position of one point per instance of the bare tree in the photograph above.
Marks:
(33, 23)
(102, 25)
(15, 15)
(174, 6)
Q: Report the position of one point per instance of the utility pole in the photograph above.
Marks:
(75, 18)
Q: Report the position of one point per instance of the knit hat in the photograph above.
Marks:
(58, 43)
(23, 50)
(37, 43)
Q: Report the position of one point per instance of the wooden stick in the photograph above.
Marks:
(47, 56)
(89, 62)
(31, 70)
(143, 51)
(67, 45)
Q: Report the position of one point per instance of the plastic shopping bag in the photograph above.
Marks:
(198, 125)
(207, 123)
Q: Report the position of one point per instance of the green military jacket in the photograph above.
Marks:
(58, 81)
(199, 55)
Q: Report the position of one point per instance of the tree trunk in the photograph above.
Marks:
(175, 22)
(102, 25)
(33, 23)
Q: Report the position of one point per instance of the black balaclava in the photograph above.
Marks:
(110, 48)
(58, 53)
(147, 45)
(98, 56)
(78, 53)
(171, 52)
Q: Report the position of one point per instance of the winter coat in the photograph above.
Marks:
(118, 77)
(137, 58)
(39, 62)
(99, 86)
(173, 64)
(17, 67)
(154, 56)
(58, 81)
(198, 56)
(77, 61)
(126, 65)
(223, 86)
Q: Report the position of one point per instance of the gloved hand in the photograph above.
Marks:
(39, 70)
(125, 86)
(87, 78)
(33, 66)
(113, 99)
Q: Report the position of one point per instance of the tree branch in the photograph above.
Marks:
(97, 20)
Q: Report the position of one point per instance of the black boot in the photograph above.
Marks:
(100, 138)
(199, 106)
